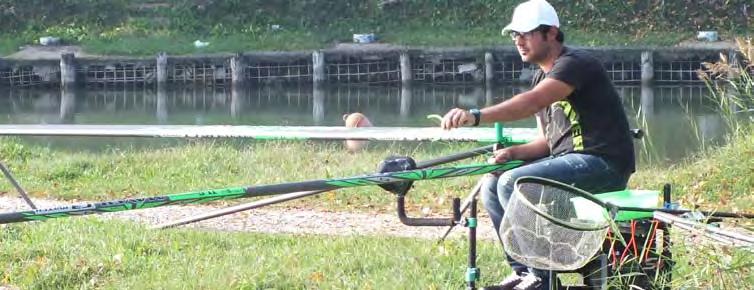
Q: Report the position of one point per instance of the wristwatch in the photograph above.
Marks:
(477, 115)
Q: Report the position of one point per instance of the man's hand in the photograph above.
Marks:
(501, 156)
(456, 118)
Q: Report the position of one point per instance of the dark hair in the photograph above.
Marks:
(544, 28)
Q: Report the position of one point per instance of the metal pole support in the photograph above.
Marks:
(17, 186)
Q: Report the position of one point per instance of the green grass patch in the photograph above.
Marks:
(197, 165)
(149, 43)
(9, 44)
(87, 253)
(184, 44)
(293, 40)
(719, 178)
(703, 265)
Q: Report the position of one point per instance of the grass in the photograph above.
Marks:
(718, 178)
(411, 34)
(414, 35)
(9, 44)
(184, 44)
(87, 253)
(121, 172)
(700, 265)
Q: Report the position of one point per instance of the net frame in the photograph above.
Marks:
(590, 233)
(565, 187)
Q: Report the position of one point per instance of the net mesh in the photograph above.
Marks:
(552, 226)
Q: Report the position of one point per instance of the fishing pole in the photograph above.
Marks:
(478, 134)
(718, 214)
(297, 195)
(253, 191)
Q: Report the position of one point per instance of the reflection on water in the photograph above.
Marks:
(677, 119)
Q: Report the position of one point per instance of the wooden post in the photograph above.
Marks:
(162, 104)
(406, 75)
(647, 68)
(237, 66)
(488, 95)
(67, 70)
(647, 102)
(735, 64)
(318, 103)
(236, 100)
(67, 105)
(733, 72)
(489, 67)
(162, 68)
(318, 65)
(406, 96)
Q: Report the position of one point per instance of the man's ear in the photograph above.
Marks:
(552, 33)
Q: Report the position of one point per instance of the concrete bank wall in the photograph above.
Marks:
(350, 64)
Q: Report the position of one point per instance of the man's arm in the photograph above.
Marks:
(533, 150)
(520, 106)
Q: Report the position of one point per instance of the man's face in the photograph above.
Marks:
(532, 45)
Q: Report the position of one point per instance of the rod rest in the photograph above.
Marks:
(428, 222)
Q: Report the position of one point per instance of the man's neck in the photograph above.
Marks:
(553, 54)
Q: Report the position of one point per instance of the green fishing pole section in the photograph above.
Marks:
(263, 190)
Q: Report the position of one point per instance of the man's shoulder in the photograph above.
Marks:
(574, 58)
(577, 54)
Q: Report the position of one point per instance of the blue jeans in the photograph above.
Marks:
(588, 172)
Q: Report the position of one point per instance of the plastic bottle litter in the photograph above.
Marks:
(49, 40)
(200, 44)
(710, 35)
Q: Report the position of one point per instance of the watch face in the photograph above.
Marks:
(477, 115)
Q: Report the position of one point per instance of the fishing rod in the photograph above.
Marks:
(717, 214)
(253, 191)
(500, 136)
(297, 195)
(477, 134)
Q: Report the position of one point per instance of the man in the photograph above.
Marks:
(584, 140)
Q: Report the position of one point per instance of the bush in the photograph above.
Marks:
(38, 15)
(238, 16)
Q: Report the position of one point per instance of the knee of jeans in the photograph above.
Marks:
(506, 182)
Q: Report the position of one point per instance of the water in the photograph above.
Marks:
(678, 120)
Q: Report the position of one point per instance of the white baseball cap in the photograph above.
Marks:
(529, 15)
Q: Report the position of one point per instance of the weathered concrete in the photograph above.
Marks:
(162, 68)
(318, 64)
(406, 75)
(365, 64)
(67, 70)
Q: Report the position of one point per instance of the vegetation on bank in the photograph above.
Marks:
(145, 27)
(723, 175)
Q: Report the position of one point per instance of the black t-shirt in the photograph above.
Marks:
(591, 119)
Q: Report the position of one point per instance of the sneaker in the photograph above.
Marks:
(507, 284)
(528, 282)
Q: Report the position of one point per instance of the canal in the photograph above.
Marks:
(678, 119)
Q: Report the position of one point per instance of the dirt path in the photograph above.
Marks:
(274, 220)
